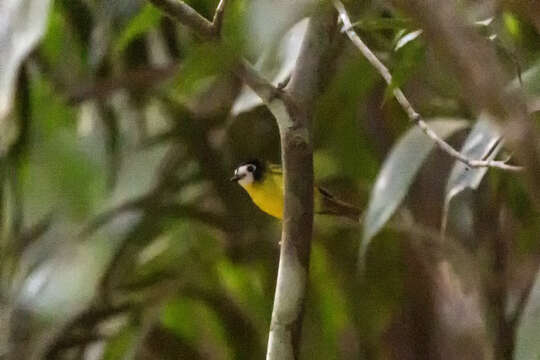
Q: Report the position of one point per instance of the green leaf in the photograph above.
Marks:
(195, 322)
(329, 303)
(528, 331)
(202, 65)
(336, 127)
(147, 18)
(511, 23)
(397, 174)
(119, 344)
(245, 285)
(68, 167)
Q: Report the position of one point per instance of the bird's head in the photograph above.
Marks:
(249, 172)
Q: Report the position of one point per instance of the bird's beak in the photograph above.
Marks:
(236, 177)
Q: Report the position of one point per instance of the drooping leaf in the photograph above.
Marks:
(483, 143)
(397, 174)
(528, 332)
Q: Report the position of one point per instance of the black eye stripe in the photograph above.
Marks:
(251, 168)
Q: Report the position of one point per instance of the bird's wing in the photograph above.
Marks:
(329, 204)
(325, 192)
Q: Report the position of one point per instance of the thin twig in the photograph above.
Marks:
(217, 21)
(406, 105)
(262, 87)
(185, 14)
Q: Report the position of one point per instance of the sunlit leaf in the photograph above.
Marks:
(484, 22)
(483, 143)
(405, 39)
(511, 24)
(397, 174)
(528, 331)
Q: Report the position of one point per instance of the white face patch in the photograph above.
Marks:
(246, 175)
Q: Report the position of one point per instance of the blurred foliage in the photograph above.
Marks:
(122, 238)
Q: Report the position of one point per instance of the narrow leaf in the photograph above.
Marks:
(407, 38)
(484, 142)
(397, 174)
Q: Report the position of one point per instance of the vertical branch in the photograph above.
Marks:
(297, 159)
(293, 109)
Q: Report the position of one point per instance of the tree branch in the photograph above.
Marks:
(406, 105)
(262, 87)
(482, 77)
(294, 116)
(297, 159)
(185, 14)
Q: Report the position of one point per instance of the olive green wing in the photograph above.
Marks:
(326, 203)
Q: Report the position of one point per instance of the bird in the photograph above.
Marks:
(263, 182)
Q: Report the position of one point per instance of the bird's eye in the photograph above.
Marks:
(251, 168)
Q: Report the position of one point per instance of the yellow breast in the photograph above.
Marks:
(268, 195)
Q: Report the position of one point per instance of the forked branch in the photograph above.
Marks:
(185, 14)
(406, 105)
